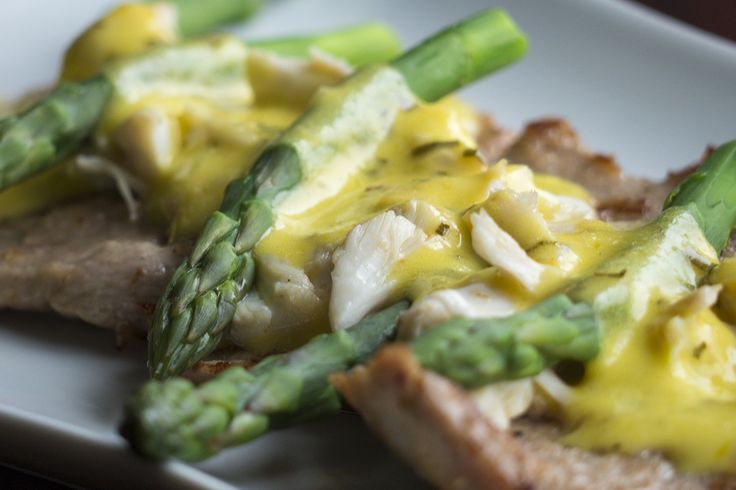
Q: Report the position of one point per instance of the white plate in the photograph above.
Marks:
(651, 91)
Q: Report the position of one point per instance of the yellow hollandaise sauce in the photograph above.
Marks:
(409, 164)
(725, 276)
(213, 147)
(429, 156)
(665, 379)
(56, 184)
(672, 389)
(123, 32)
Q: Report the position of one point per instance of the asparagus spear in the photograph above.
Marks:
(199, 302)
(173, 418)
(50, 130)
(358, 45)
(709, 195)
(197, 17)
(478, 352)
(461, 54)
(55, 127)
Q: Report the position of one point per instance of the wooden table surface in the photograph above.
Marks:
(715, 16)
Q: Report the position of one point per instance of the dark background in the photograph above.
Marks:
(715, 16)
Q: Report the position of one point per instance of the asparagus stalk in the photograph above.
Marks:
(474, 353)
(56, 126)
(462, 53)
(198, 17)
(50, 130)
(174, 418)
(709, 195)
(358, 45)
(200, 300)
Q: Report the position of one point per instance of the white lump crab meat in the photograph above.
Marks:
(476, 300)
(285, 299)
(361, 279)
(293, 80)
(515, 202)
(508, 223)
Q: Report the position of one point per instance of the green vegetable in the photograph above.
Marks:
(51, 130)
(57, 125)
(474, 353)
(198, 17)
(220, 269)
(710, 195)
(174, 418)
(358, 45)
(462, 53)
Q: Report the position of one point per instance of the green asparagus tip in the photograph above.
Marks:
(710, 195)
(176, 419)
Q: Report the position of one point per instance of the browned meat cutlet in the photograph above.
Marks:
(552, 146)
(86, 260)
(439, 430)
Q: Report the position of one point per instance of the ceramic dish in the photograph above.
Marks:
(649, 90)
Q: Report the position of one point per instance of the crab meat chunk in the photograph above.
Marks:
(362, 265)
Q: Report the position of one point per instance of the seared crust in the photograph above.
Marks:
(438, 428)
(428, 421)
(551, 146)
(493, 141)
